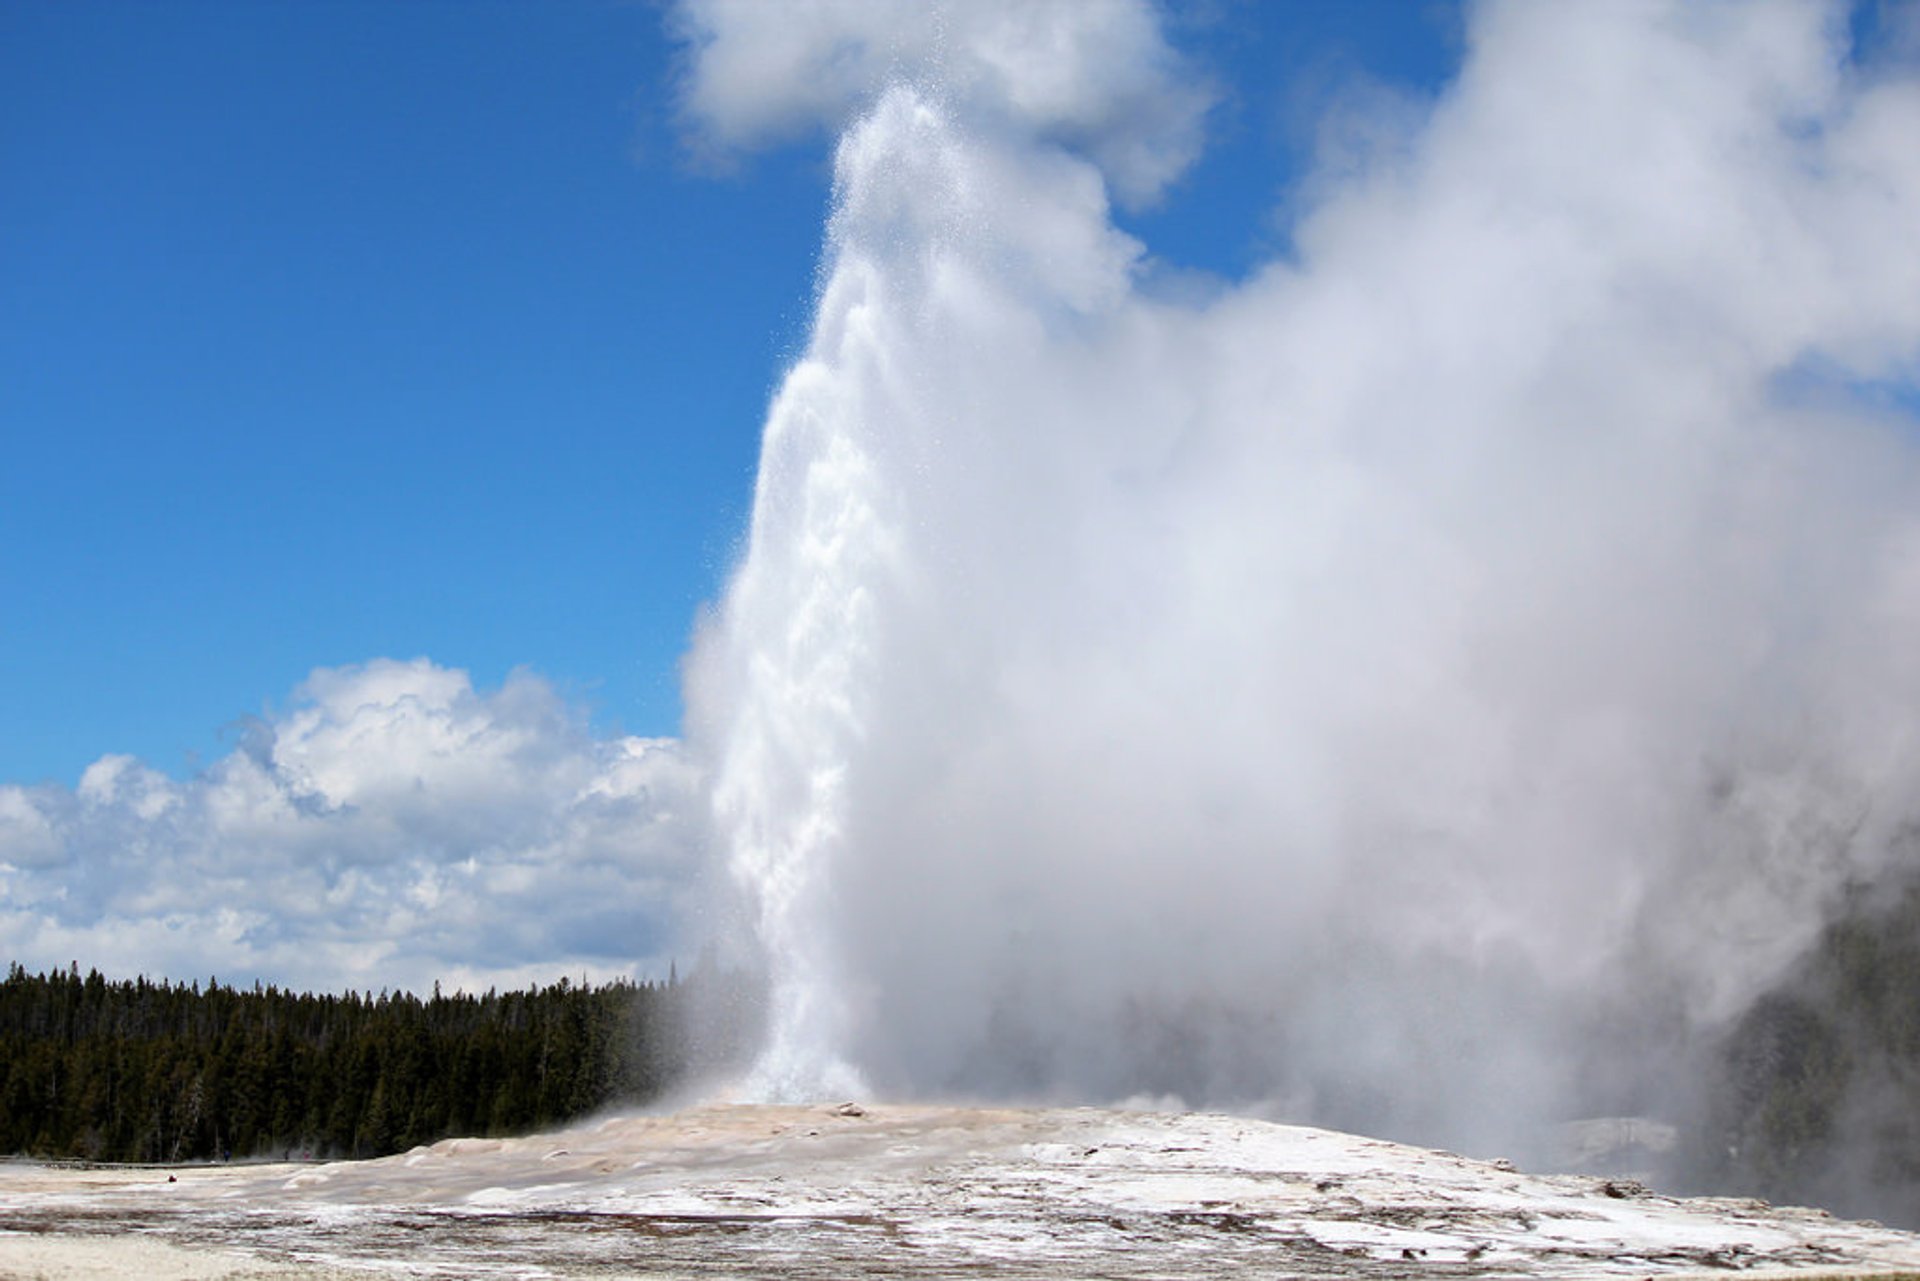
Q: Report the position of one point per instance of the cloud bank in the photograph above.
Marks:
(393, 827)
(1406, 690)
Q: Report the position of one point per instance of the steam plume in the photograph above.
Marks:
(1344, 693)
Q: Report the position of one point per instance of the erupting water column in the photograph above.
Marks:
(799, 633)
(927, 274)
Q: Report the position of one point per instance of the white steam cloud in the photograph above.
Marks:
(1343, 693)
(1093, 74)
(392, 829)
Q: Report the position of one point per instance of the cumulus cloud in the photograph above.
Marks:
(1096, 75)
(393, 827)
(1351, 691)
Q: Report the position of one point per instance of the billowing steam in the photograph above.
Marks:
(1397, 690)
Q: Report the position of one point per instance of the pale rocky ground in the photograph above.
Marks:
(904, 1191)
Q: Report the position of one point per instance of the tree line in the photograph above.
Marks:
(1815, 1093)
(141, 1071)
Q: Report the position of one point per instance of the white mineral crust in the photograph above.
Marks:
(907, 1191)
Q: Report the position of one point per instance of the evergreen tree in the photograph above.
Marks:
(151, 1071)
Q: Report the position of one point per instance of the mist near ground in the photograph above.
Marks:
(1429, 686)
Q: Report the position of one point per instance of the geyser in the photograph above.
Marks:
(1416, 687)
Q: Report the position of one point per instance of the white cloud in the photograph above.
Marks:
(27, 838)
(393, 827)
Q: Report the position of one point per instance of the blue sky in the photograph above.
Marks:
(381, 387)
(342, 331)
